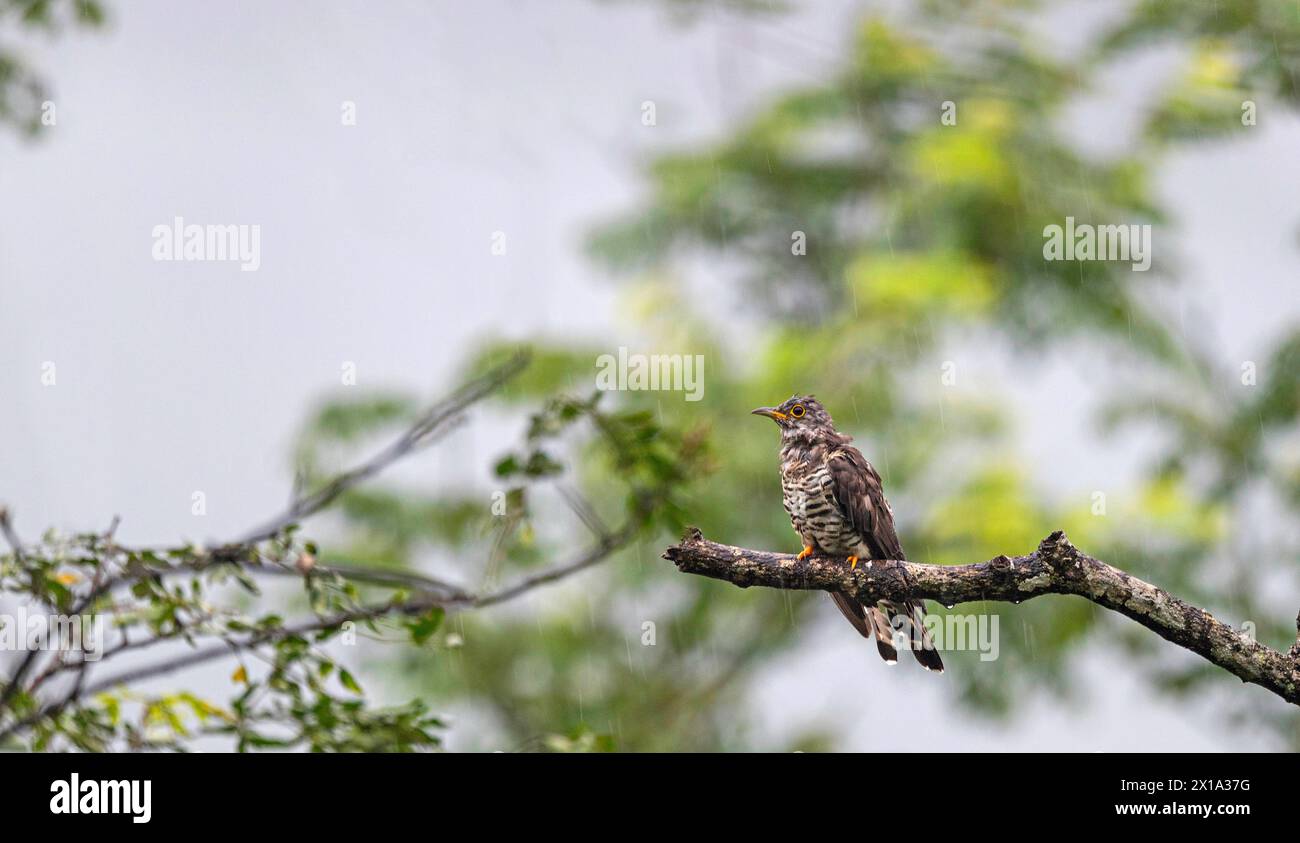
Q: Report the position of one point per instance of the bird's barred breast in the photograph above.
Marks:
(813, 512)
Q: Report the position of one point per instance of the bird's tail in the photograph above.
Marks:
(870, 623)
(909, 619)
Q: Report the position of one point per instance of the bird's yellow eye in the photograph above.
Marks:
(797, 411)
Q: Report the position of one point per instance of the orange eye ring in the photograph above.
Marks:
(797, 411)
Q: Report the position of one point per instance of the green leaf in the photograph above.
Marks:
(349, 681)
(426, 625)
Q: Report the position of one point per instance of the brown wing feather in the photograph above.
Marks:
(854, 611)
(868, 624)
(860, 497)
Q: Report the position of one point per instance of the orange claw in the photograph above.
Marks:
(853, 563)
(806, 552)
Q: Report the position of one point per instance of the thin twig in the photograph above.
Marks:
(596, 554)
(582, 508)
(7, 530)
(431, 424)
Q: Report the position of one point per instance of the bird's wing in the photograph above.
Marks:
(860, 497)
(855, 612)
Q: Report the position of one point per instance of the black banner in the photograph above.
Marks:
(299, 791)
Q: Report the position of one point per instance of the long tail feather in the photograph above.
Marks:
(868, 623)
(910, 619)
(884, 635)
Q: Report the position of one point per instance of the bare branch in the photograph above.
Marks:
(596, 554)
(29, 660)
(583, 509)
(10, 536)
(19, 674)
(432, 423)
(428, 427)
(1056, 567)
(233, 645)
(391, 578)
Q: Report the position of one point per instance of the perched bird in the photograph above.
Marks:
(837, 506)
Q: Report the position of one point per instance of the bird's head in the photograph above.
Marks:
(802, 417)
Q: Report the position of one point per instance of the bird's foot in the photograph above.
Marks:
(805, 553)
(853, 563)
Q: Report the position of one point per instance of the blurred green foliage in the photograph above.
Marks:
(22, 90)
(916, 231)
(288, 691)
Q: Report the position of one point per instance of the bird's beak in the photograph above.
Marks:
(770, 412)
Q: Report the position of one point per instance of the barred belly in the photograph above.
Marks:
(814, 513)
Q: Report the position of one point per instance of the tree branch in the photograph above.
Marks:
(1056, 567)
(607, 545)
(424, 430)
(231, 645)
(249, 556)
(431, 424)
